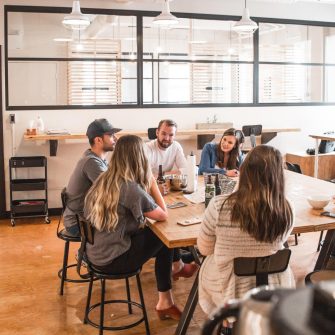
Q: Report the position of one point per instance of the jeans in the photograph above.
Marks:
(144, 245)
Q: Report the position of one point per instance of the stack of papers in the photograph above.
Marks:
(58, 132)
(198, 196)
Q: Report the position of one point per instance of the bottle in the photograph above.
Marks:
(39, 125)
(161, 181)
(217, 185)
(209, 190)
(191, 174)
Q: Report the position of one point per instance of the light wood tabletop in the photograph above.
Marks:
(298, 188)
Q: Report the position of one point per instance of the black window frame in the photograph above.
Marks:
(139, 51)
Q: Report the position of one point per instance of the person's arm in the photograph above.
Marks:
(207, 238)
(160, 213)
(93, 169)
(206, 162)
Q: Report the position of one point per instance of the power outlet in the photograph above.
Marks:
(11, 118)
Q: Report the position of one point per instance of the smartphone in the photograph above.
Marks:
(332, 215)
(176, 205)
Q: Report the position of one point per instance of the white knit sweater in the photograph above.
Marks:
(222, 241)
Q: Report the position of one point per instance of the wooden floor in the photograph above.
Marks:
(30, 257)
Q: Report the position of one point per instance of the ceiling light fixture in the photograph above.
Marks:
(245, 25)
(76, 20)
(165, 18)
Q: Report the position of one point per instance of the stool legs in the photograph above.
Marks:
(102, 306)
(130, 310)
(140, 292)
(64, 270)
(88, 301)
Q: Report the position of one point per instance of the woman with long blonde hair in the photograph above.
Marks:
(117, 206)
(254, 221)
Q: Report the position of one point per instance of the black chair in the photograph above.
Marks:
(293, 167)
(261, 267)
(87, 236)
(67, 238)
(152, 133)
(252, 131)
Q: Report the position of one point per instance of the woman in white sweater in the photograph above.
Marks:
(253, 221)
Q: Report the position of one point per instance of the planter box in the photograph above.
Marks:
(218, 125)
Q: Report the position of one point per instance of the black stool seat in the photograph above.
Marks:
(64, 235)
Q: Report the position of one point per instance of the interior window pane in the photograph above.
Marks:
(290, 83)
(195, 39)
(330, 84)
(43, 35)
(37, 83)
(290, 43)
(329, 45)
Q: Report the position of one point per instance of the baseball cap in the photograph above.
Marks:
(99, 127)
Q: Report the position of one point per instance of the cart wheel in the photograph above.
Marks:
(12, 222)
(47, 220)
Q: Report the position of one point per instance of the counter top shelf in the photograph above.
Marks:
(267, 135)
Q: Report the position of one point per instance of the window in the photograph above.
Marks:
(199, 62)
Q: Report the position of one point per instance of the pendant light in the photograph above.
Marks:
(76, 20)
(165, 18)
(245, 25)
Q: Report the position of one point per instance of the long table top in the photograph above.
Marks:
(298, 188)
(144, 133)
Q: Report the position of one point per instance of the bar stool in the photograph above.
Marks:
(63, 235)
(87, 236)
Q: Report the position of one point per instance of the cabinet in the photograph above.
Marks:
(326, 169)
(31, 207)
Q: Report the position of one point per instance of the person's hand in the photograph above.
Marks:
(163, 188)
(232, 173)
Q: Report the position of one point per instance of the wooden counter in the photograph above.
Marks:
(267, 135)
(326, 164)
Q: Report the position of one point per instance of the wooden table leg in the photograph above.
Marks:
(327, 248)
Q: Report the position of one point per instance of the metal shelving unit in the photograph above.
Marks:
(32, 207)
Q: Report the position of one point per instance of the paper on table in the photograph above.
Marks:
(198, 196)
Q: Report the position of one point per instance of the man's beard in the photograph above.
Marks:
(164, 144)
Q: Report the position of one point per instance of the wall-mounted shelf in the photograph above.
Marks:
(267, 135)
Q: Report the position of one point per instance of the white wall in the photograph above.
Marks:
(309, 119)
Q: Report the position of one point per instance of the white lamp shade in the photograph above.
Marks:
(76, 20)
(165, 18)
(245, 25)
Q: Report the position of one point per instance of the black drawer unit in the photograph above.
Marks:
(32, 207)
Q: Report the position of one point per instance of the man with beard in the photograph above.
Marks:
(164, 150)
(102, 139)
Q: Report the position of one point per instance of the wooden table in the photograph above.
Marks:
(267, 135)
(317, 137)
(298, 187)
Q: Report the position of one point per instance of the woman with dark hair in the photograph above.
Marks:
(253, 221)
(117, 206)
(224, 157)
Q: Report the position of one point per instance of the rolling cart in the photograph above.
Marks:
(32, 207)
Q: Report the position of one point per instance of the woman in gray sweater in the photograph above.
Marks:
(253, 221)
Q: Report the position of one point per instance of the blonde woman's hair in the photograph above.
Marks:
(259, 205)
(129, 163)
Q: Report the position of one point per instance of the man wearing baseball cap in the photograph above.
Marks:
(102, 139)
